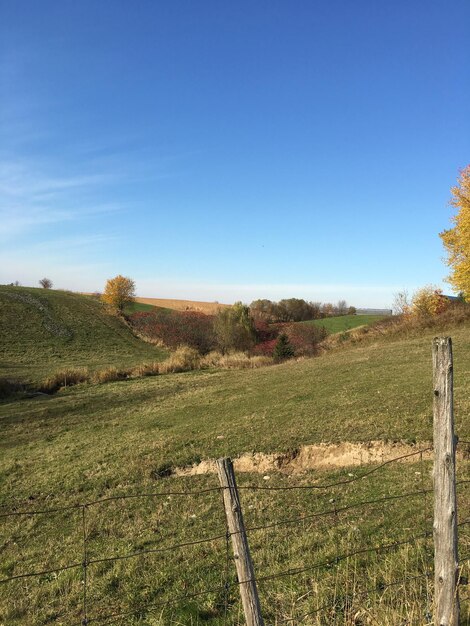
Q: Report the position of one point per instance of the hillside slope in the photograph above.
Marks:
(44, 330)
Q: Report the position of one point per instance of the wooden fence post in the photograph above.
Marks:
(241, 550)
(446, 564)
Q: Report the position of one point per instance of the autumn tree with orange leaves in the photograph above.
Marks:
(457, 239)
(119, 291)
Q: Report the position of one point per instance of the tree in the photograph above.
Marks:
(283, 348)
(119, 291)
(457, 239)
(234, 328)
(401, 303)
(46, 283)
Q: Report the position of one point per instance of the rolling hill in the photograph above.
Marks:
(45, 330)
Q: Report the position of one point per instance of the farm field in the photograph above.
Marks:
(94, 442)
(184, 305)
(345, 322)
(45, 330)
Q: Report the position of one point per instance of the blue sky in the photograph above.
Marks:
(232, 150)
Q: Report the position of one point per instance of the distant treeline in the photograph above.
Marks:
(297, 310)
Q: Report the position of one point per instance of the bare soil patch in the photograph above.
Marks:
(318, 456)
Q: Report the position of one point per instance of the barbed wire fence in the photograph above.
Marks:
(236, 533)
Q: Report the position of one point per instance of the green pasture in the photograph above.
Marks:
(345, 322)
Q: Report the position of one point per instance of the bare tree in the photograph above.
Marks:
(46, 283)
(401, 302)
(342, 307)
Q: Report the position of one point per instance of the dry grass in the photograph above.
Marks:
(184, 305)
(184, 359)
(235, 360)
(65, 378)
(146, 369)
(108, 374)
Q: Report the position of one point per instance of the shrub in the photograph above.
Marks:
(175, 328)
(265, 348)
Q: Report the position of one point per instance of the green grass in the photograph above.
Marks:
(138, 307)
(344, 322)
(97, 441)
(43, 331)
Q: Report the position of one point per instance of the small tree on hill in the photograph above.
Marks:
(283, 348)
(46, 283)
(119, 291)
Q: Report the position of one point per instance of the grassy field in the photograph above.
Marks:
(99, 441)
(344, 322)
(138, 307)
(46, 330)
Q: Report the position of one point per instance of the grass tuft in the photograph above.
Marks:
(65, 378)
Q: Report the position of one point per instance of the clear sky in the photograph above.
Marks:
(232, 150)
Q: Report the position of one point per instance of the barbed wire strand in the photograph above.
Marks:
(334, 511)
(110, 499)
(114, 558)
(292, 572)
(337, 559)
(218, 488)
(219, 537)
(54, 570)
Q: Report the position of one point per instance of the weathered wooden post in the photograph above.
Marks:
(446, 564)
(241, 550)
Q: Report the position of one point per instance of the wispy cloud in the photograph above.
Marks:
(30, 197)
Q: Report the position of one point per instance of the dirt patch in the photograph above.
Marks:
(319, 456)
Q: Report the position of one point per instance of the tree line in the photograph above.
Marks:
(297, 310)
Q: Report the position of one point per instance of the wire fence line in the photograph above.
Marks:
(87, 562)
